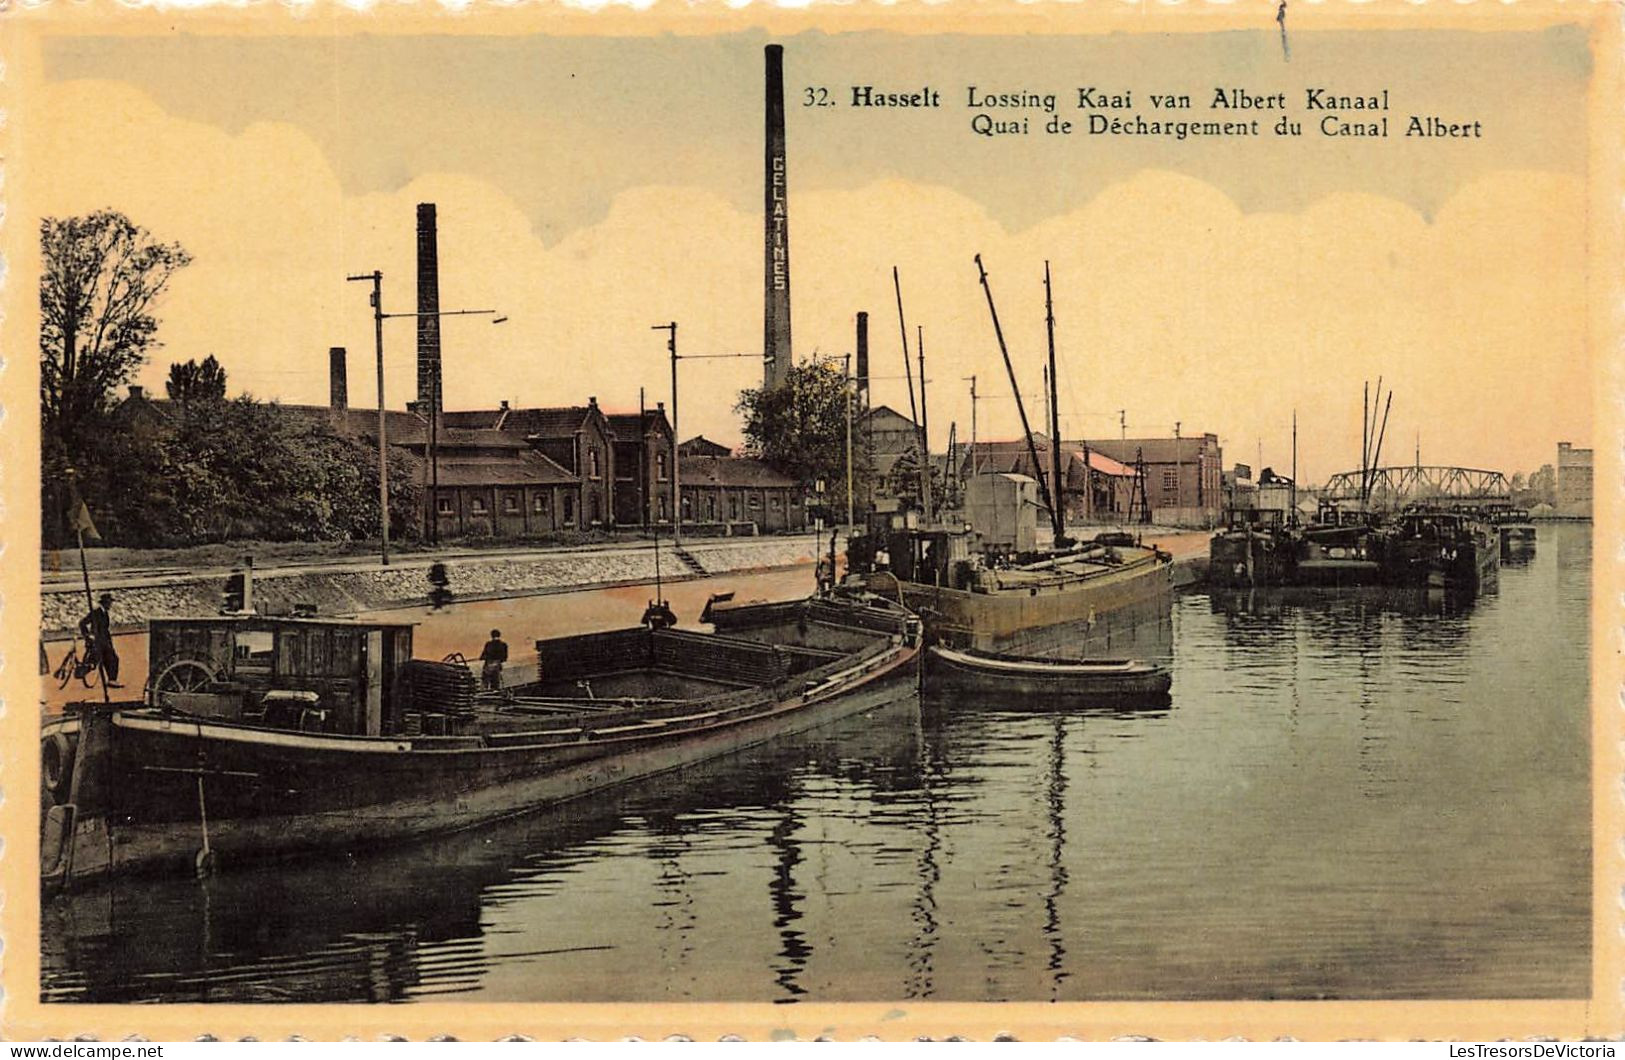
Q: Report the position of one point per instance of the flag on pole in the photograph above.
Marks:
(79, 519)
(80, 522)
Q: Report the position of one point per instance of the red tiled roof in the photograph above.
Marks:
(1105, 464)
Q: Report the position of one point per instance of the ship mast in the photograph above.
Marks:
(1057, 489)
(1021, 409)
(913, 410)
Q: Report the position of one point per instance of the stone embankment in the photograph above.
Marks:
(351, 587)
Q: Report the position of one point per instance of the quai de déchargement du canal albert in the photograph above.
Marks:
(1350, 795)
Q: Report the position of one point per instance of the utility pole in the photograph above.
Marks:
(1179, 470)
(851, 515)
(972, 426)
(376, 277)
(1122, 423)
(434, 456)
(676, 473)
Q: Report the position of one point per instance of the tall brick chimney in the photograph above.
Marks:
(863, 360)
(428, 302)
(776, 222)
(338, 377)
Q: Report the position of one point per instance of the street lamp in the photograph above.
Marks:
(376, 278)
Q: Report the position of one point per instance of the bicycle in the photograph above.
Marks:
(73, 666)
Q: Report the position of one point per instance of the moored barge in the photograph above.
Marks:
(262, 738)
(1439, 548)
(985, 599)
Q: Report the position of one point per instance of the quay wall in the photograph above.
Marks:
(355, 588)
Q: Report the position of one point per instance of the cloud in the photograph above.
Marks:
(1170, 301)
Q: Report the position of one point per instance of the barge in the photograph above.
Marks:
(261, 738)
(986, 599)
(1439, 548)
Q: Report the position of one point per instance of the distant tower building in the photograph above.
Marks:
(428, 303)
(1573, 480)
(776, 219)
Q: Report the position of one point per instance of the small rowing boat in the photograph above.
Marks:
(1002, 674)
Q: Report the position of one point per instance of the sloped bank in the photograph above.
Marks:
(481, 577)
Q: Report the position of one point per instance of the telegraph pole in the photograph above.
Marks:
(851, 515)
(972, 426)
(676, 481)
(1179, 470)
(376, 278)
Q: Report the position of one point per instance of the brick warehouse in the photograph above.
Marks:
(522, 472)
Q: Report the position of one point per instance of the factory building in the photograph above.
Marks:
(1573, 481)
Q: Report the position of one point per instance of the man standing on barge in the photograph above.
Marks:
(493, 655)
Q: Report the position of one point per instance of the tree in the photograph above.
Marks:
(800, 429)
(195, 381)
(101, 275)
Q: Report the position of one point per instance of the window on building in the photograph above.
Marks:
(660, 466)
(540, 503)
(569, 509)
(592, 462)
(510, 503)
(443, 505)
(1170, 480)
(733, 506)
(777, 503)
(711, 509)
(477, 505)
(597, 514)
(665, 508)
(755, 502)
(688, 509)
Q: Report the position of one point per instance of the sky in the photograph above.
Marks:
(590, 187)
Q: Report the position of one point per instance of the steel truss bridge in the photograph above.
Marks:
(1395, 487)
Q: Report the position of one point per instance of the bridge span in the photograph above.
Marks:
(1395, 487)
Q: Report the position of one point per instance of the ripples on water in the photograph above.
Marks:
(1350, 796)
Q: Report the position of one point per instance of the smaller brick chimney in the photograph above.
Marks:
(338, 376)
(138, 392)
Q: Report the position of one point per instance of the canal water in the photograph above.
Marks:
(1347, 796)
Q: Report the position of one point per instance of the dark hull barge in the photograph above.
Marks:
(333, 739)
(1045, 680)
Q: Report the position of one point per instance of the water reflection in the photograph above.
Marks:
(386, 925)
(1347, 795)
